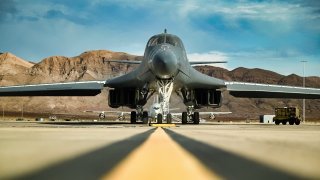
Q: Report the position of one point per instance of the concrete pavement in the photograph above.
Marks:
(96, 150)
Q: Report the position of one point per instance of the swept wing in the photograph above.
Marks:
(195, 63)
(125, 61)
(255, 90)
(191, 62)
(84, 88)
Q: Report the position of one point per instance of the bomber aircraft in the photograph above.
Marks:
(164, 69)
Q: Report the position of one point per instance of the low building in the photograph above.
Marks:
(267, 119)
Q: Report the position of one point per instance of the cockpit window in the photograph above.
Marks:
(164, 39)
(154, 41)
(172, 41)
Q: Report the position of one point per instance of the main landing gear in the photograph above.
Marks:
(190, 116)
(141, 115)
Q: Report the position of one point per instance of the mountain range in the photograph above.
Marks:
(94, 65)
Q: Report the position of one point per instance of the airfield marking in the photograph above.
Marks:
(163, 125)
(160, 157)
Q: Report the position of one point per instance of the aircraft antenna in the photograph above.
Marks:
(165, 35)
(165, 31)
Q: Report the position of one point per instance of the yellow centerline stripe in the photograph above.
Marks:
(159, 157)
(163, 125)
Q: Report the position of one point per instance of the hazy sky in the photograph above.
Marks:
(273, 35)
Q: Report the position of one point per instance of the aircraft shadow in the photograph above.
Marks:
(92, 165)
(226, 164)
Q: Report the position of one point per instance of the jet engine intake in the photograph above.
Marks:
(129, 97)
(208, 97)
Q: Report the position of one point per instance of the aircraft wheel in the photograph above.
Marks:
(159, 118)
(297, 122)
(291, 121)
(133, 118)
(284, 122)
(277, 122)
(196, 118)
(145, 117)
(169, 118)
(184, 118)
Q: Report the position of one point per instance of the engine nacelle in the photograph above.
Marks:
(207, 98)
(129, 97)
(202, 98)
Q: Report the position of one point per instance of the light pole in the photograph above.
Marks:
(304, 85)
(22, 110)
(2, 111)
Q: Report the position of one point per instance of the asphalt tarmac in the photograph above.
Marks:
(85, 150)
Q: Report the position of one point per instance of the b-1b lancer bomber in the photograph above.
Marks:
(164, 69)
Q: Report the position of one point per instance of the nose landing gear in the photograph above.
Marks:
(165, 88)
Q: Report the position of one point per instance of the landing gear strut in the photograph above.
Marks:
(165, 88)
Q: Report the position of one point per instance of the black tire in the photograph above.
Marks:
(196, 118)
(284, 122)
(159, 118)
(145, 117)
(291, 121)
(277, 122)
(169, 118)
(133, 118)
(297, 121)
(184, 118)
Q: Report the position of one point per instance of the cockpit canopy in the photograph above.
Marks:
(165, 38)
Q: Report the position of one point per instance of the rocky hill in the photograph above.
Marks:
(94, 65)
(12, 66)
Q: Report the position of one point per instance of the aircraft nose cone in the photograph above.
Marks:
(165, 64)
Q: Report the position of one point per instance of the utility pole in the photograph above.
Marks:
(304, 85)
(2, 111)
(22, 110)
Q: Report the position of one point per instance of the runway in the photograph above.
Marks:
(30, 150)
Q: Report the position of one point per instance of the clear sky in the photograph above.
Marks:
(273, 35)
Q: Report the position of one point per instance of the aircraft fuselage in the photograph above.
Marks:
(165, 69)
